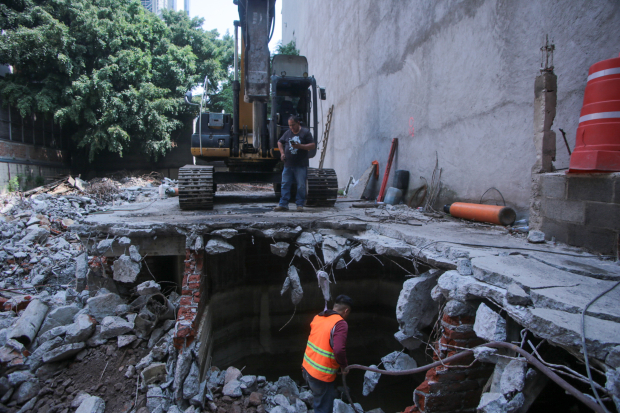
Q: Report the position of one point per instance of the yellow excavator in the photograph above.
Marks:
(246, 140)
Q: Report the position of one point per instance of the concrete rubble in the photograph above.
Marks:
(90, 301)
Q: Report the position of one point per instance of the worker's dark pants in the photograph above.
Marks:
(323, 393)
(292, 174)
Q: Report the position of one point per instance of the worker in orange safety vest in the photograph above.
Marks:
(326, 353)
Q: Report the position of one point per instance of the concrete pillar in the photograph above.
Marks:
(545, 101)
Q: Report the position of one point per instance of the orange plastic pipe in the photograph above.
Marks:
(493, 214)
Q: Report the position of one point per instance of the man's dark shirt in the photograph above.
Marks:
(301, 157)
(338, 339)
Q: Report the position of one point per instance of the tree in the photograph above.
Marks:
(290, 49)
(109, 72)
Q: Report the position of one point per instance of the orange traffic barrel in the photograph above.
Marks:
(492, 214)
(597, 146)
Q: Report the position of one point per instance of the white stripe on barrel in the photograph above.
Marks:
(600, 115)
(604, 72)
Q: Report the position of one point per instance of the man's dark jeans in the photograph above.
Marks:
(323, 392)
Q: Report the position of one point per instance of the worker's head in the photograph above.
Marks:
(294, 123)
(343, 305)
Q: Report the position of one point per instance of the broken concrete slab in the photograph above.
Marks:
(384, 245)
(63, 352)
(126, 270)
(112, 326)
(415, 308)
(398, 361)
(60, 316)
(492, 403)
(333, 247)
(103, 305)
(409, 342)
(513, 377)
(280, 248)
(148, 287)
(125, 340)
(218, 246)
(463, 266)
(489, 325)
(80, 330)
(454, 286)
(309, 239)
(227, 233)
(371, 379)
(515, 295)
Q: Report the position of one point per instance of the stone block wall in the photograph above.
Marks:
(578, 209)
(449, 388)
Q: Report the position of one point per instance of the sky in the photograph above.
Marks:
(220, 15)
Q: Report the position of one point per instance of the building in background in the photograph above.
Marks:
(156, 6)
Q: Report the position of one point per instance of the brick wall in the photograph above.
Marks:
(450, 388)
(188, 318)
(579, 209)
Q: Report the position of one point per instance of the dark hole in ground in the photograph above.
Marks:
(248, 313)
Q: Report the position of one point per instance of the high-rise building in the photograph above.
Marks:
(186, 7)
(156, 6)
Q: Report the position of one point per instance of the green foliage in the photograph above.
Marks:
(290, 48)
(109, 72)
(13, 185)
(39, 180)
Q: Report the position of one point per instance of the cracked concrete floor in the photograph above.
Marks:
(559, 280)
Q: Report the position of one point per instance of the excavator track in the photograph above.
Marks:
(321, 187)
(196, 187)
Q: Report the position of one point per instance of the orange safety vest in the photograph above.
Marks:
(319, 360)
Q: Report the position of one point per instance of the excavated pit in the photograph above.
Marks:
(255, 328)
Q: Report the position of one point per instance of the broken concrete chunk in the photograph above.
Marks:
(248, 384)
(492, 403)
(124, 242)
(415, 308)
(398, 361)
(79, 398)
(324, 282)
(63, 352)
(613, 358)
(297, 292)
(60, 316)
(281, 400)
(333, 248)
(27, 390)
(232, 373)
(148, 287)
(92, 404)
(410, 343)
(342, 407)
(232, 389)
(35, 236)
(134, 254)
(112, 326)
(305, 252)
(80, 330)
(285, 286)
(154, 398)
(81, 271)
(154, 373)
(463, 266)
(489, 325)
(218, 246)
(18, 377)
(124, 341)
(370, 381)
(227, 233)
(104, 246)
(126, 270)
(456, 308)
(286, 386)
(357, 253)
(486, 354)
(28, 325)
(513, 376)
(309, 239)
(191, 385)
(516, 403)
(515, 295)
(341, 264)
(613, 385)
(199, 243)
(536, 237)
(280, 248)
(103, 305)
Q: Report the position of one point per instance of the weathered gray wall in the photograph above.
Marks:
(462, 71)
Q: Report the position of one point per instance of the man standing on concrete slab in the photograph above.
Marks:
(326, 352)
(294, 146)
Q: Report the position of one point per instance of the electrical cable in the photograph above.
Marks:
(585, 348)
(585, 399)
(500, 194)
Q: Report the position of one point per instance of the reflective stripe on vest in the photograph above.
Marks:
(319, 360)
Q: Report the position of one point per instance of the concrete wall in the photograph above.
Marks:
(450, 77)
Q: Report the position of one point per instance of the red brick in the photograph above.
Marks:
(455, 335)
(185, 301)
(425, 386)
(193, 286)
(187, 292)
(419, 399)
(457, 321)
(195, 278)
(443, 403)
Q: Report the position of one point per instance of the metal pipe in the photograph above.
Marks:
(236, 89)
(314, 118)
(495, 344)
